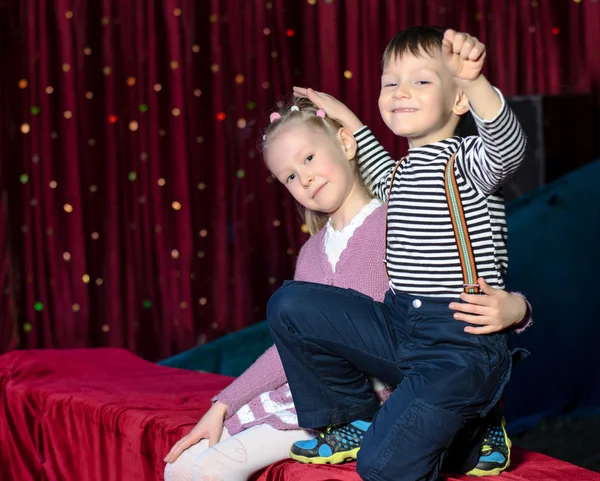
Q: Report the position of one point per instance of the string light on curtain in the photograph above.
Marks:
(112, 167)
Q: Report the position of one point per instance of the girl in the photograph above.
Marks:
(252, 423)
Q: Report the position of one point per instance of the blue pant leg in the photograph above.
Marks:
(451, 379)
(408, 439)
(329, 339)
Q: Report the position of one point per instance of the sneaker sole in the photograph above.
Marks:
(481, 473)
(337, 458)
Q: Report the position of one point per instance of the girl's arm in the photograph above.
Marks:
(266, 374)
(495, 311)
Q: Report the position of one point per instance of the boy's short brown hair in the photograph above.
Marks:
(413, 40)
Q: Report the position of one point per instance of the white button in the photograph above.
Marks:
(416, 303)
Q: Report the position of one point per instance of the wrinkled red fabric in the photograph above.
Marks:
(94, 414)
(105, 414)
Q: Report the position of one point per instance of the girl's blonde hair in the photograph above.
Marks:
(306, 114)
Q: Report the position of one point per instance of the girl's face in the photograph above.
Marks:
(317, 169)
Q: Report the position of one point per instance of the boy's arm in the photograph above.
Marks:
(374, 162)
(495, 155)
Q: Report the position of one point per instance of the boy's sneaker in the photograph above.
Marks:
(494, 456)
(338, 444)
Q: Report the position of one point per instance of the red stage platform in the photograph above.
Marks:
(105, 414)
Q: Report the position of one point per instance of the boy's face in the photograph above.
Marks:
(417, 98)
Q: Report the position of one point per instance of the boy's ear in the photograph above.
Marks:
(461, 104)
(348, 143)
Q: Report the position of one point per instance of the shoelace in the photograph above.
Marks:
(328, 430)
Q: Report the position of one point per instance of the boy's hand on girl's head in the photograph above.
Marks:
(209, 427)
(492, 312)
(332, 107)
(463, 54)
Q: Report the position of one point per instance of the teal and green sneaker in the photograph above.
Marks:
(338, 444)
(494, 456)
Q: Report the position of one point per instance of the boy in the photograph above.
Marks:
(445, 227)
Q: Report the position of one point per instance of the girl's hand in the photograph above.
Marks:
(492, 312)
(210, 426)
(332, 107)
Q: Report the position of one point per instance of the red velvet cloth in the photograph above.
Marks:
(105, 414)
(95, 414)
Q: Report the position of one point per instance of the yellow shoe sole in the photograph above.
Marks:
(337, 458)
(494, 472)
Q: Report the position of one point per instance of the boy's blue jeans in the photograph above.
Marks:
(329, 339)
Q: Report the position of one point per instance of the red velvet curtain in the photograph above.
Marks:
(137, 211)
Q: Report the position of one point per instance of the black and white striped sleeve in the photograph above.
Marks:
(494, 157)
(374, 162)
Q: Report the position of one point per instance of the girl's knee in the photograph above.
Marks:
(228, 462)
(181, 469)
